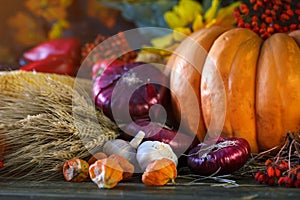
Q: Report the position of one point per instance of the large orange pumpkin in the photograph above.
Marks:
(261, 80)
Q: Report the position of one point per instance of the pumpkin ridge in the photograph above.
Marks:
(296, 36)
(183, 105)
(278, 92)
(223, 52)
(241, 96)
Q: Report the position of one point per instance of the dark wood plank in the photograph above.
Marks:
(134, 190)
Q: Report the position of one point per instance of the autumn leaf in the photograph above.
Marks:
(106, 15)
(51, 10)
(28, 31)
(54, 12)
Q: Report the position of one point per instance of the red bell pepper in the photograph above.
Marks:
(70, 47)
(59, 64)
(60, 56)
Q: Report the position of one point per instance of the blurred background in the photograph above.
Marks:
(26, 23)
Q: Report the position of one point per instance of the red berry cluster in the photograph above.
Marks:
(292, 179)
(266, 17)
(108, 50)
(279, 174)
(284, 168)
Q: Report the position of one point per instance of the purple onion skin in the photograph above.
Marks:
(228, 159)
(179, 142)
(141, 99)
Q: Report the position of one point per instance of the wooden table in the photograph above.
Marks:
(247, 189)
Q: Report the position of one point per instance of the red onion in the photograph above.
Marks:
(179, 141)
(126, 92)
(100, 65)
(227, 156)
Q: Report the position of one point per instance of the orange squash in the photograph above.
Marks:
(260, 81)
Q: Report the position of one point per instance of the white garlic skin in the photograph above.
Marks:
(125, 149)
(122, 148)
(153, 150)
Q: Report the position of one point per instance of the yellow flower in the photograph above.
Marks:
(198, 22)
(211, 12)
(188, 10)
(190, 14)
(224, 16)
(180, 33)
(173, 20)
(187, 17)
(161, 42)
(58, 28)
(183, 14)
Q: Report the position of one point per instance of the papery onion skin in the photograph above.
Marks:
(179, 142)
(149, 93)
(226, 160)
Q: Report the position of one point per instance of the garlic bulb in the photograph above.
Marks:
(124, 148)
(153, 150)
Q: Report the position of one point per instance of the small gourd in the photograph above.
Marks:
(160, 172)
(149, 151)
(106, 173)
(124, 148)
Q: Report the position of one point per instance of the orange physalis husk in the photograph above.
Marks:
(106, 173)
(97, 156)
(75, 170)
(128, 168)
(160, 172)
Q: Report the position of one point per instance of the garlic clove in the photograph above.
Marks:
(136, 141)
(153, 150)
(120, 147)
(125, 149)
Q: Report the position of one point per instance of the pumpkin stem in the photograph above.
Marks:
(135, 142)
(268, 17)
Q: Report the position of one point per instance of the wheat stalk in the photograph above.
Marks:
(44, 121)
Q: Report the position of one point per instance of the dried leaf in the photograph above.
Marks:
(51, 10)
(106, 15)
(28, 30)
